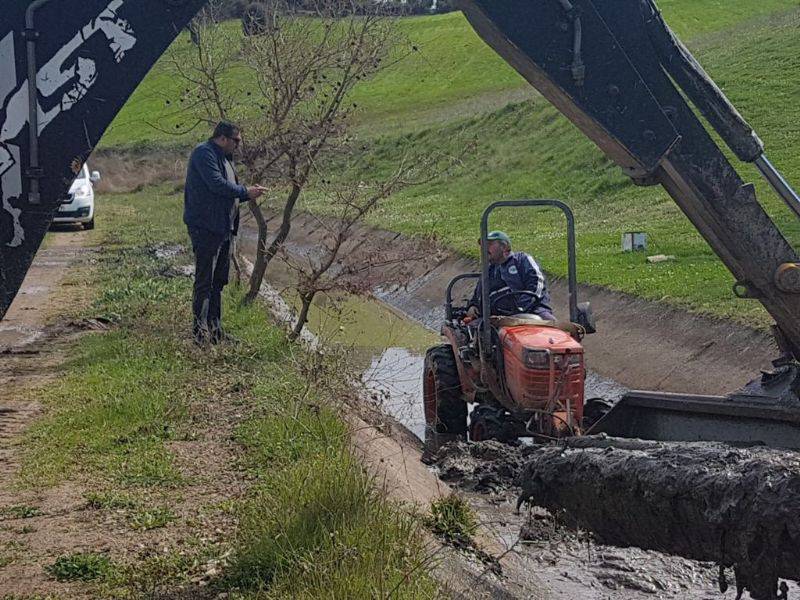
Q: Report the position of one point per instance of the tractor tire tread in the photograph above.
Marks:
(451, 407)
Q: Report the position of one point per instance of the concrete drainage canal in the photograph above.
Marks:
(542, 557)
(564, 563)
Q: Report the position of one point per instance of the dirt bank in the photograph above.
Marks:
(639, 344)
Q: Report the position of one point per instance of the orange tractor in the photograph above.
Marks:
(524, 375)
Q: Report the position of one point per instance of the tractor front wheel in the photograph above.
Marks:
(445, 408)
(490, 423)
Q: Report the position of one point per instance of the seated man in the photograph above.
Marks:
(515, 271)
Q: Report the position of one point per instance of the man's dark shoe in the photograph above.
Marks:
(219, 336)
(201, 336)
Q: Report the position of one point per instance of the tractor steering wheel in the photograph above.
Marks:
(493, 310)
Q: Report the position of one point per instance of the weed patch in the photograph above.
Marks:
(452, 518)
(153, 518)
(319, 528)
(80, 567)
(22, 511)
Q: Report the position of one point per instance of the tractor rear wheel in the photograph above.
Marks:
(445, 408)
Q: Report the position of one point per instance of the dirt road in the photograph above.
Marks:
(35, 524)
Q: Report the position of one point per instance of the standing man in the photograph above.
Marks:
(512, 272)
(211, 213)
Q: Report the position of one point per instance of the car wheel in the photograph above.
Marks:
(89, 225)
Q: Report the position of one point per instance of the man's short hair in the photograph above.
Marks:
(225, 128)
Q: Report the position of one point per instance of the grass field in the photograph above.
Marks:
(133, 406)
(453, 90)
(448, 66)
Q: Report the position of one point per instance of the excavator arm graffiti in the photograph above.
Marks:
(87, 57)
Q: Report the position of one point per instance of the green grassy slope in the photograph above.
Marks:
(450, 73)
(455, 89)
(528, 150)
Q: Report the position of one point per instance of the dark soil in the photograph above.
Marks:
(572, 560)
(737, 507)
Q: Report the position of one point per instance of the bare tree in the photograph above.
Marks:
(342, 263)
(208, 68)
(288, 83)
(305, 70)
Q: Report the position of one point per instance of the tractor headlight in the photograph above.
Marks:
(537, 359)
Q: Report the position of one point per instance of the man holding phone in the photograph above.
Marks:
(211, 213)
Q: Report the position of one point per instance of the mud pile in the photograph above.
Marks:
(489, 466)
(738, 507)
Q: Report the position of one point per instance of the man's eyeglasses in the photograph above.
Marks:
(236, 140)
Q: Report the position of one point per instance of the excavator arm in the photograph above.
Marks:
(87, 57)
(617, 71)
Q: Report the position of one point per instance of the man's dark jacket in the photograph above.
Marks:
(209, 197)
(518, 272)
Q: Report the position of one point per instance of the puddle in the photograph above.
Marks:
(34, 290)
(388, 348)
(13, 336)
(395, 379)
(166, 251)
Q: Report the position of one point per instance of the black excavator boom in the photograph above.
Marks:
(613, 69)
(87, 57)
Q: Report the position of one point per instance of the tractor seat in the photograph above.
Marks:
(530, 319)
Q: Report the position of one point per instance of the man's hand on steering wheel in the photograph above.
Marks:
(510, 294)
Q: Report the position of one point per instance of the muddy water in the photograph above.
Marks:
(388, 348)
(396, 375)
(391, 353)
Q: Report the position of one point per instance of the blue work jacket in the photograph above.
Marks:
(209, 197)
(518, 272)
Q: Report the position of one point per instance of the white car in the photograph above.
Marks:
(78, 205)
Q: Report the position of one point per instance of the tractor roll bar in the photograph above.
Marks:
(572, 271)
